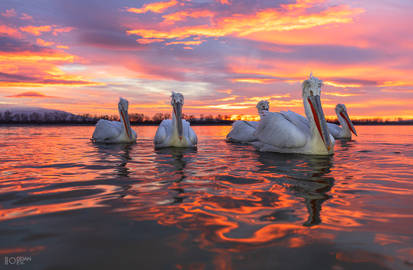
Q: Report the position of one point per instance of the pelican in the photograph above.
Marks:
(287, 133)
(243, 131)
(114, 131)
(335, 130)
(176, 132)
(343, 132)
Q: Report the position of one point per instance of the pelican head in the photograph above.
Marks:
(124, 117)
(341, 110)
(311, 96)
(177, 101)
(123, 104)
(263, 105)
(312, 86)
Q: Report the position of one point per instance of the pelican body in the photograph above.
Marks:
(175, 132)
(115, 131)
(286, 132)
(343, 132)
(243, 131)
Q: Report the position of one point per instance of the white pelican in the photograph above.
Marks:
(114, 131)
(343, 132)
(176, 132)
(243, 131)
(287, 133)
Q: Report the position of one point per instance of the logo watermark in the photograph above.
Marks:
(17, 260)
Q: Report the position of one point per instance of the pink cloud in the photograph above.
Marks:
(9, 31)
(26, 16)
(44, 43)
(57, 31)
(9, 13)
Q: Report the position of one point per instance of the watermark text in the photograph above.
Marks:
(17, 260)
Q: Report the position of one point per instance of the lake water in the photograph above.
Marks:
(66, 203)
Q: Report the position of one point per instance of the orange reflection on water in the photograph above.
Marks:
(227, 198)
(19, 250)
(90, 200)
(224, 203)
(39, 160)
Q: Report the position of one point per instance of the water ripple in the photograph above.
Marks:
(228, 197)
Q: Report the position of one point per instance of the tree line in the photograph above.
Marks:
(140, 118)
(60, 117)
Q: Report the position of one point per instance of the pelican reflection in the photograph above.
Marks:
(121, 153)
(173, 161)
(304, 175)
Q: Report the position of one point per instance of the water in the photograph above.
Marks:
(66, 203)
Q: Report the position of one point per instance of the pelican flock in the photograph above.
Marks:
(175, 132)
(289, 132)
(283, 132)
(343, 132)
(243, 131)
(115, 131)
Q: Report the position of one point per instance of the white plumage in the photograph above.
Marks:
(244, 131)
(288, 132)
(175, 132)
(115, 131)
(343, 132)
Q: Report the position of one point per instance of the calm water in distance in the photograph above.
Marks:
(67, 203)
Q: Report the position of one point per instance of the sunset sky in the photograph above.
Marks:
(223, 55)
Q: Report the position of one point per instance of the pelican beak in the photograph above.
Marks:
(348, 121)
(319, 119)
(178, 117)
(125, 120)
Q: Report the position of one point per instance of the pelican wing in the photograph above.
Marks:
(162, 132)
(242, 131)
(189, 132)
(297, 119)
(334, 130)
(106, 130)
(276, 130)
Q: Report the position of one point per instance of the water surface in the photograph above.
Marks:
(67, 203)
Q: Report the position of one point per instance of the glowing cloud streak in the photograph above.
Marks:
(157, 7)
(242, 25)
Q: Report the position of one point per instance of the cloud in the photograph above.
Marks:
(44, 43)
(289, 17)
(234, 52)
(184, 14)
(114, 40)
(13, 44)
(9, 13)
(41, 79)
(224, 2)
(13, 77)
(36, 30)
(30, 94)
(24, 64)
(9, 31)
(191, 42)
(148, 40)
(57, 31)
(157, 7)
(26, 16)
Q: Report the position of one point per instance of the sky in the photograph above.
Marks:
(223, 55)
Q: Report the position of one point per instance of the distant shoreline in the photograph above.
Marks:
(229, 123)
(47, 117)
